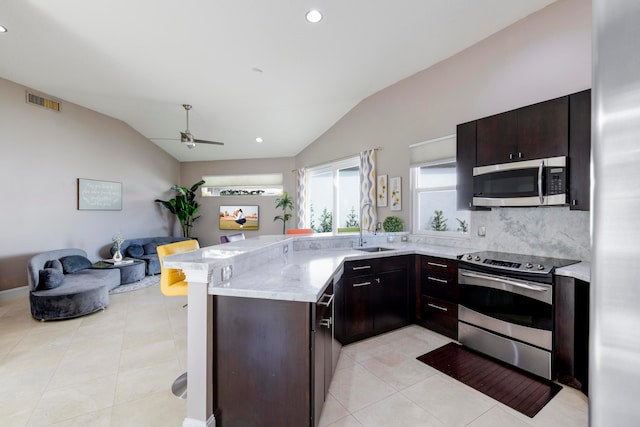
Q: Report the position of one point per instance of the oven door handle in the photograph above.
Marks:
(507, 281)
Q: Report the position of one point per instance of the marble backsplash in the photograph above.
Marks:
(545, 231)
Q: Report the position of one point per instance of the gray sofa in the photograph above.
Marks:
(144, 248)
(62, 285)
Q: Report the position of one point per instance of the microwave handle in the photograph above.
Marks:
(540, 193)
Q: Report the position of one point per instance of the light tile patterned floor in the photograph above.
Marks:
(115, 368)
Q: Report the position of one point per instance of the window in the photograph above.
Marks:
(433, 188)
(334, 195)
(269, 184)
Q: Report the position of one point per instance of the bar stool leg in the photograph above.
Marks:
(179, 386)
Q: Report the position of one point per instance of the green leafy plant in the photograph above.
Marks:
(392, 223)
(286, 204)
(352, 218)
(439, 222)
(326, 221)
(463, 226)
(184, 206)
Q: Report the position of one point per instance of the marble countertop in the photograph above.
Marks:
(268, 267)
(580, 271)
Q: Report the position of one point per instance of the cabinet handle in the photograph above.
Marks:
(435, 279)
(519, 155)
(326, 323)
(326, 303)
(435, 264)
(355, 285)
(437, 307)
(510, 156)
(364, 267)
(574, 202)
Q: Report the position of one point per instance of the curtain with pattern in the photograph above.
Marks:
(368, 190)
(301, 197)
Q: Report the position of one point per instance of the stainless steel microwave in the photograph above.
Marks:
(540, 182)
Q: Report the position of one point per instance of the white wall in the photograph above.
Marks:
(44, 153)
(545, 55)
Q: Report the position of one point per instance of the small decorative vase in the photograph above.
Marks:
(117, 256)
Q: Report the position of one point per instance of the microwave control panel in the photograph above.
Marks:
(556, 180)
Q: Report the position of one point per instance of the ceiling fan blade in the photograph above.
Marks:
(202, 141)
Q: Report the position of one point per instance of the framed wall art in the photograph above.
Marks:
(395, 193)
(236, 217)
(94, 195)
(381, 191)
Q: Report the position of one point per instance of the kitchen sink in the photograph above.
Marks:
(374, 249)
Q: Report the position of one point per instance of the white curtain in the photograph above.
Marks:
(301, 197)
(368, 190)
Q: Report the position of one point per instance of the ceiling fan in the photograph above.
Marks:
(186, 137)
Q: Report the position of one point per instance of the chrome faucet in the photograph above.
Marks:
(362, 206)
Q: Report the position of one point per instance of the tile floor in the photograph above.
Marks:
(115, 368)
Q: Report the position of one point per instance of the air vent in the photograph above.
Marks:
(34, 99)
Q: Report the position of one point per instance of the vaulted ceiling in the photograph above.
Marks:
(249, 68)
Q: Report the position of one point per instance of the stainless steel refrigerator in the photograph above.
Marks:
(614, 383)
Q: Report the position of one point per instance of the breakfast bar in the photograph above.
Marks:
(257, 312)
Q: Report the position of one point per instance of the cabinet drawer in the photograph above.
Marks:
(440, 278)
(359, 267)
(440, 267)
(391, 263)
(440, 316)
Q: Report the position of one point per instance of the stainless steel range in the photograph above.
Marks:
(506, 307)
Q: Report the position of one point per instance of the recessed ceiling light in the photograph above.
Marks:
(3, 29)
(258, 140)
(313, 16)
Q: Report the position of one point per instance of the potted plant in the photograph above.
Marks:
(392, 223)
(184, 206)
(284, 203)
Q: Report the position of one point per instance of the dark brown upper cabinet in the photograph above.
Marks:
(465, 161)
(579, 150)
(536, 131)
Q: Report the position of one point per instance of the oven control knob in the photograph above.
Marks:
(469, 257)
(477, 258)
(528, 265)
(540, 267)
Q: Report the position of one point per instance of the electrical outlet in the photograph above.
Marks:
(226, 273)
(404, 238)
(482, 231)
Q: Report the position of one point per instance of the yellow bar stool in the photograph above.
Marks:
(172, 283)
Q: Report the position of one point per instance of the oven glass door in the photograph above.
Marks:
(514, 301)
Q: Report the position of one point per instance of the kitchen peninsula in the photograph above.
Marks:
(256, 312)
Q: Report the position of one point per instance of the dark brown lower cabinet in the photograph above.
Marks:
(571, 332)
(440, 316)
(372, 298)
(270, 357)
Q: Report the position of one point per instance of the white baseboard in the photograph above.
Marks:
(14, 293)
